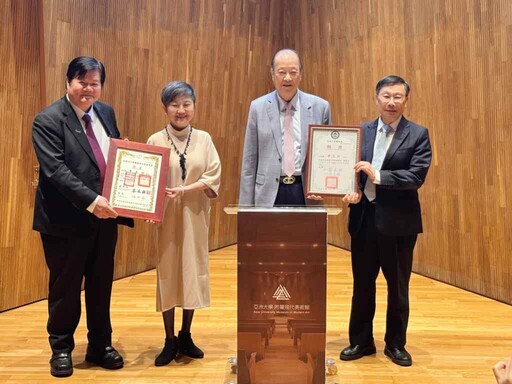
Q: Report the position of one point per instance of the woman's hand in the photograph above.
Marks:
(174, 192)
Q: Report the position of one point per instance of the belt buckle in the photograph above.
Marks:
(289, 179)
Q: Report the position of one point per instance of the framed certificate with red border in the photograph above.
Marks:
(135, 179)
(333, 150)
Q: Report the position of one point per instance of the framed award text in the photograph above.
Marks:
(135, 179)
(333, 150)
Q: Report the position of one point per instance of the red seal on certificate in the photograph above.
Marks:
(144, 181)
(331, 182)
(129, 179)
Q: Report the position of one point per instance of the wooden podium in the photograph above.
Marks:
(282, 276)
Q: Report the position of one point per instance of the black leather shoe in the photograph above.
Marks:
(187, 347)
(398, 356)
(61, 365)
(107, 358)
(169, 352)
(354, 352)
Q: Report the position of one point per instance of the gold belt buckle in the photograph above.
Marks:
(289, 179)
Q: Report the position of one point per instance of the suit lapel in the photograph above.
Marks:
(74, 126)
(100, 112)
(369, 140)
(306, 118)
(274, 123)
(369, 134)
(401, 133)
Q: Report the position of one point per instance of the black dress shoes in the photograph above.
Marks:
(354, 352)
(107, 357)
(398, 356)
(61, 365)
(187, 347)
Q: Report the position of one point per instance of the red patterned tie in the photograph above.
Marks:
(100, 160)
(288, 150)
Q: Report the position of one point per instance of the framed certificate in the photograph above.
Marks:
(135, 179)
(333, 151)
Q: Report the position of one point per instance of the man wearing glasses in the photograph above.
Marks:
(276, 138)
(385, 219)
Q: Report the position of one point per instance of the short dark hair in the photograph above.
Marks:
(391, 80)
(175, 89)
(288, 50)
(79, 66)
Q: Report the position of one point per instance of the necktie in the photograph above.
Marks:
(96, 150)
(288, 147)
(379, 153)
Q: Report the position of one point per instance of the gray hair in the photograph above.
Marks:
(175, 89)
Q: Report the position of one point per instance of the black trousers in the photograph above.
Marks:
(69, 260)
(290, 194)
(372, 251)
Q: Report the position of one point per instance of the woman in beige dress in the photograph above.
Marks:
(182, 236)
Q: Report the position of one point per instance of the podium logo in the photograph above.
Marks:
(281, 293)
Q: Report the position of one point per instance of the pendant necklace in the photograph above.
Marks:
(182, 157)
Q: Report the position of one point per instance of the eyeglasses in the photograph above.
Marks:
(396, 98)
(292, 73)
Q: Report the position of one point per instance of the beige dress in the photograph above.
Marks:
(182, 236)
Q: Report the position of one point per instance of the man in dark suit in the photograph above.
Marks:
(78, 226)
(385, 219)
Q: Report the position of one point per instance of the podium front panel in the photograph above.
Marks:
(282, 296)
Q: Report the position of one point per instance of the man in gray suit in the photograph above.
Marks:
(276, 138)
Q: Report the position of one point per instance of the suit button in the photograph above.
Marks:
(279, 159)
(277, 179)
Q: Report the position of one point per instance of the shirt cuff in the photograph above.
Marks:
(91, 207)
(377, 178)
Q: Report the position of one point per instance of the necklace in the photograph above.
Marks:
(182, 157)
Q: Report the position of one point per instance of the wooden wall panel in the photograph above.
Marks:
(457, 57)
(223, 48)
(22, 269)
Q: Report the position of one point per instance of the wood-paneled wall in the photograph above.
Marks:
(23, 273)
(457, 56)
(223, 48)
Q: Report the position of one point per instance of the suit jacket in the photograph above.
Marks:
(69, 178)
(403, 172)
(263, 148)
